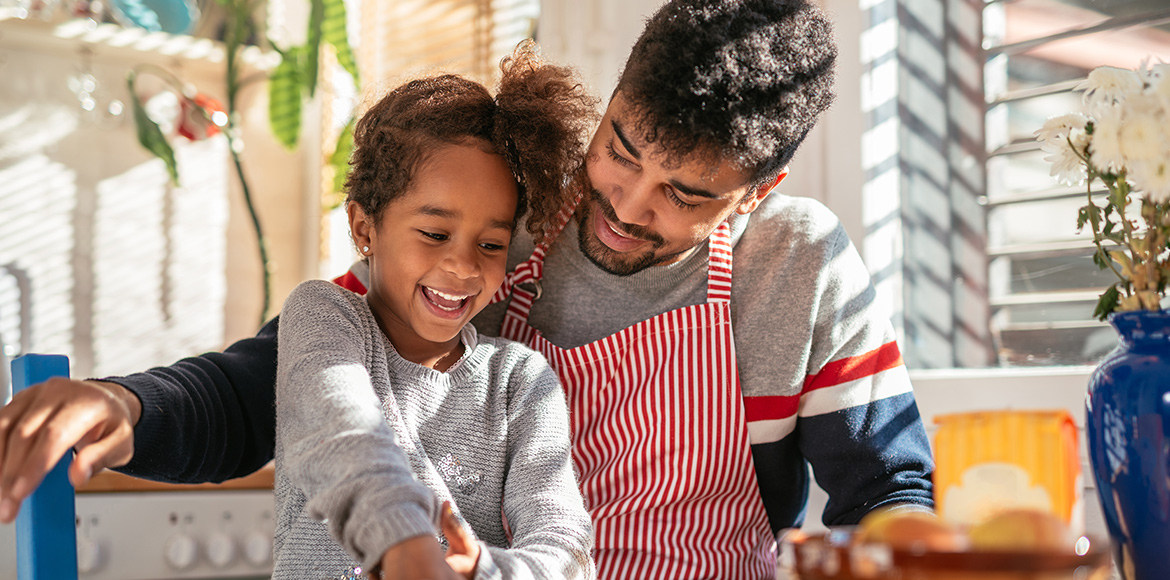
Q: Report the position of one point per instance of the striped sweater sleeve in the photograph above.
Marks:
(841, 399)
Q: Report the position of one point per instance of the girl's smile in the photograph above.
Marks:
(446, 305)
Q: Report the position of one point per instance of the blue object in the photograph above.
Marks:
(46, 529)
(170, 16)
(1128, 428)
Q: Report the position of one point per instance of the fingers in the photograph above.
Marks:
(111, 449)
(21, 430)
(457, 540)
(462, 550)
(45, 421)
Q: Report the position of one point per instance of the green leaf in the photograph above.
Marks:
(150, 136)
(312, 50)
(284, 98)
(1082, 218)
(339, 161)
(1100, 260)
(1107, 303)
(333, 32)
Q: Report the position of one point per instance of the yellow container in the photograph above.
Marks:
(987, 461)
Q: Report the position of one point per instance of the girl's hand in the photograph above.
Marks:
(418, 558)
(462, 550)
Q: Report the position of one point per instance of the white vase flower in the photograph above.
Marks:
(1122, 139)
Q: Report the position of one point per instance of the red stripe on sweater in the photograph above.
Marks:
(882, 358)
(350, 282)
(770, 408)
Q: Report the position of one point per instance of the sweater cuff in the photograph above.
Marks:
(150, 433)
(485, 566)
(395, 526)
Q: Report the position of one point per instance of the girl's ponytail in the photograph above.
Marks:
(542, 128)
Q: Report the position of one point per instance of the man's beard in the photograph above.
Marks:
(606, 258)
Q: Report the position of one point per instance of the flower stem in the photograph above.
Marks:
(235, 36)
(1094, 220)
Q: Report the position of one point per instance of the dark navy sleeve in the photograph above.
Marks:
(869, 456)
(206, 418)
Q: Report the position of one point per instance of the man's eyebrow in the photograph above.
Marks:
(692, 191)
(617, 130)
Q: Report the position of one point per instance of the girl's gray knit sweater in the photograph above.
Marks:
(369, 444)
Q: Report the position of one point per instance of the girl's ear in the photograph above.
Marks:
(360, 227)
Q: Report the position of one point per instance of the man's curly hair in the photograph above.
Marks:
(738, 80)
(538, 121)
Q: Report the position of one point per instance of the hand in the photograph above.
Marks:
(94, 418)
(419, 558)
(462, 550)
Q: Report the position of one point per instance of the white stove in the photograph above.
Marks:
(218, 534)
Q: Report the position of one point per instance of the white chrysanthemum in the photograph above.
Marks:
(1153, 74)
(1152, 178)
(1067, 168)
(1057, 131)
(1060, 135)
(1141, 133)
(1105, 148)
(1107, 84)
(1159, 85)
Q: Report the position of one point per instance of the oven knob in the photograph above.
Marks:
(89, 555)
(181, 551)
(221, 549)
(258, 548)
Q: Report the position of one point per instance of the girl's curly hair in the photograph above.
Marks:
(538, 121)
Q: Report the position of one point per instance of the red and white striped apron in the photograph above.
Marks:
(660, 437)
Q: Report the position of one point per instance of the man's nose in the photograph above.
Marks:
(632, 202)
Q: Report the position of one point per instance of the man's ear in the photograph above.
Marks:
(360, 227)
(751, 202)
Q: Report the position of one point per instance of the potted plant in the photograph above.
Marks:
(294, 78)
(1122, 140)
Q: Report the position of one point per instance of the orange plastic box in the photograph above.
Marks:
(987, 461)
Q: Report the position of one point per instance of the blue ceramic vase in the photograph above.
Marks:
(1128, 429)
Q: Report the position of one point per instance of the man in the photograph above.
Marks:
(714, 336)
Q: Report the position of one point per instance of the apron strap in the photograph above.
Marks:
(532, 269)
(719, 265)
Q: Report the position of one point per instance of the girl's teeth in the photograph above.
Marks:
(448, 296)
(444, 301)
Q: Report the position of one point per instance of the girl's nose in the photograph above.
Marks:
(462, 262)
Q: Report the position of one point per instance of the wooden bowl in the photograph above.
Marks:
(837, 555)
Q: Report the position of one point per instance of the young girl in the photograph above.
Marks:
(391, 404)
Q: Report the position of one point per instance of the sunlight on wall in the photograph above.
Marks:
(158, 261)
(122, 269)
(37, 237)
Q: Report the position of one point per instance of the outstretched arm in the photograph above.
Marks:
(206, 418)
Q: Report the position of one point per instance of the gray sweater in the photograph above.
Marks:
(369, 444)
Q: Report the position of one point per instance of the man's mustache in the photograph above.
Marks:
(610, 214)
